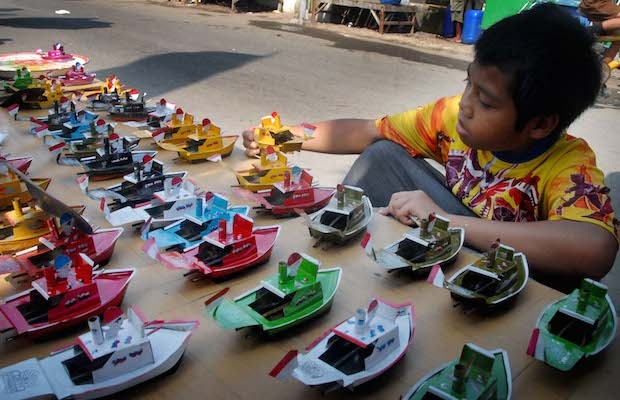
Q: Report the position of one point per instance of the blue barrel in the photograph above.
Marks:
(471, 26)
(447, 30)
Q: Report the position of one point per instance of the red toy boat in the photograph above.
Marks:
(29, 264)
(55, 303)
(77, 76)
(223, 253)
(286, 196)
(57, 53)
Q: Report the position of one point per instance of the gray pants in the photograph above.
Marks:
(386, 168)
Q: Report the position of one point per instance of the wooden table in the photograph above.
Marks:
(374, 7)
(221, 364)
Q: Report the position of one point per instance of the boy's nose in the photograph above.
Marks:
(464, 107)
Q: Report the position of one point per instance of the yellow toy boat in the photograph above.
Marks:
(12, 187)
(272, 168)
(272, 133)
(22, 227)
(164, 137)
(180, 122)
(52, 92)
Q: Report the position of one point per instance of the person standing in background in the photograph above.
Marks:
(605, 17)
(458, 9)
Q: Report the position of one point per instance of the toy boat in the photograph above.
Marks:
(64, 297)
(223, 252)
(93, 144)
(355, 351)
(202, 149)
(499, 276)
(12, 187)
(77, 76)
(137, 188)
(170, 205)
(103, 361)
(56, 117)
(346, 215)
(57, 53)
(51, 92)
(477, 374)
(108, 95)
(298, 292)
(179, 121)
(112, 163)
(272, 133)
(163, 113)
(22, 227)
(22, 80)
(79, 124)
(130, 110)
(432, 242)
(272, 169)
(575, 327)
(189, 231)
(179, 129)
(289, 195)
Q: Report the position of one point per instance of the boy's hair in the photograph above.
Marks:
(550, 59)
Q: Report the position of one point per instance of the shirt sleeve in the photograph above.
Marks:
(418, 130)
(578, 193)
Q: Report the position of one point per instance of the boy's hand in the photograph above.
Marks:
(416, 203)
(251, 147)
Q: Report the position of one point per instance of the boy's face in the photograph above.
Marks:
(487, 113)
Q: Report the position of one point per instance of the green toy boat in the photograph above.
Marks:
(346, 215)
(298, 292)
(478, 374)
(498, 276)
(432, 242)
(577, 326)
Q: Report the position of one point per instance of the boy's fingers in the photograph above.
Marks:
(383, 211)
(252, 152)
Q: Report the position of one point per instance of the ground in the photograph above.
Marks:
(234, 68)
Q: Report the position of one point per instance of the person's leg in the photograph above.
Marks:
(386, 168)
(457, 8)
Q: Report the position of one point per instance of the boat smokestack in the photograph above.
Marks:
(17, 207)
(51, 224)
(360, 320)
(95, 329)
(287, 179)
(222, 230)
(198, 207)
(340, 196)
(459, 378)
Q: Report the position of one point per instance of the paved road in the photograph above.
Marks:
(236, 68)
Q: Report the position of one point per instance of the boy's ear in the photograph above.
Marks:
(542, 126)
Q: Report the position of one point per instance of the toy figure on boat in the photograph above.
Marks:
(130, 109)
(190, 230)
(575, 327)
(494, 279)
(69, 293)
(432, 242)
(170, 205)
(137, 188)
(114, 160)
(295, 192)
(355, 351)
(347, 215)
(125, 352)
(273, 165)
(298, 292)
(235, 246)
(201, 143)
(65, 238)
(76, 76)
(12, 187)
(22, 227)
(57, 53)
(477, 374)
(272, 133)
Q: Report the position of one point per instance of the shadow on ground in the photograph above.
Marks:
(4, 40)
(350, 43)
(55, 23)
(612, 280)
(162, 73)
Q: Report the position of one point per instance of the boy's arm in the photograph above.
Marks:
(560, 247)
(340, 136)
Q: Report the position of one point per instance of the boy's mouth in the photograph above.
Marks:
(460, 129)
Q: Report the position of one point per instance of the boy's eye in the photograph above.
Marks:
(483, 104)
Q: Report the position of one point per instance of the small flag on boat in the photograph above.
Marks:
(159, 135)
(146, 227)
(367, 246)
(215, 158)
(286, 366)
(82, 182)
(436, 277)
(56, 147)
(150, 248)
(41, 130)
(13, 110)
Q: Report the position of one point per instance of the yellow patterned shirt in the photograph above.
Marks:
(562, 183)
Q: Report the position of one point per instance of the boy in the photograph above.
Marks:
(503, 142)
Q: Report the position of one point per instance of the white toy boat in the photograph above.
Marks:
(103, 361)
(356, 351)
(170, 205)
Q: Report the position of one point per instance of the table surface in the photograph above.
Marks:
(234, 365)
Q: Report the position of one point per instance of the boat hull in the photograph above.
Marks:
(6, 199)
(111, 284)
